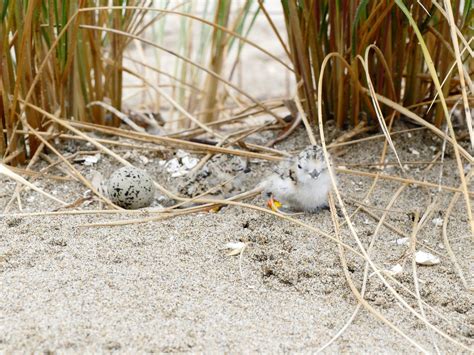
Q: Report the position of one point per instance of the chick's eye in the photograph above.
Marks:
(299, 166)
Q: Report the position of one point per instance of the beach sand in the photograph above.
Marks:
(169, 286)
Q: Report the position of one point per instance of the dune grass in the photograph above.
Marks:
(397, 65)
(363, 64)
(48, 61)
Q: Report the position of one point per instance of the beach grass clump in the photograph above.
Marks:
(49, 60)
(379, 41)
(67, 58)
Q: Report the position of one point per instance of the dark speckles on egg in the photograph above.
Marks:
(131, 188)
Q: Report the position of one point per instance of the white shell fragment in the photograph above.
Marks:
(235, 248)
(173, 166)
(181, 165)
(395, 269)
(189, 162)
(402, 241)
(438, 222)
(131, 188)
(427, 259)
(144, 159)
(90, 160)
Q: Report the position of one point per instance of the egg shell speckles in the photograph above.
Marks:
(131, 188)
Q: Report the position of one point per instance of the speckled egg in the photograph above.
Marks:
(131, 188)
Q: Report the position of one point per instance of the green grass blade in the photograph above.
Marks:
(3, 13)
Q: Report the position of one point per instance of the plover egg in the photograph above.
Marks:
(130, 188)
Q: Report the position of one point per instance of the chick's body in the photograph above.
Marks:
(301, 183)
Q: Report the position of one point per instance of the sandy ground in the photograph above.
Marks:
(170, 287)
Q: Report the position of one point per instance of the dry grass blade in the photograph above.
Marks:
(71, 71)
(174, 103)
(416, 228)
(9, 173)
(366, 268)
(188, 15)
(376, 104)
(353, 232)
(38, 174)
(354, 290)
(216, 59)
(302, 114)
(447, 244)
(270, 21)
(117, 113)
(419, 120)
(404, 180)
(106, 150)
(434, 76)
(187, 60)
(459, 64)
(171, 141)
